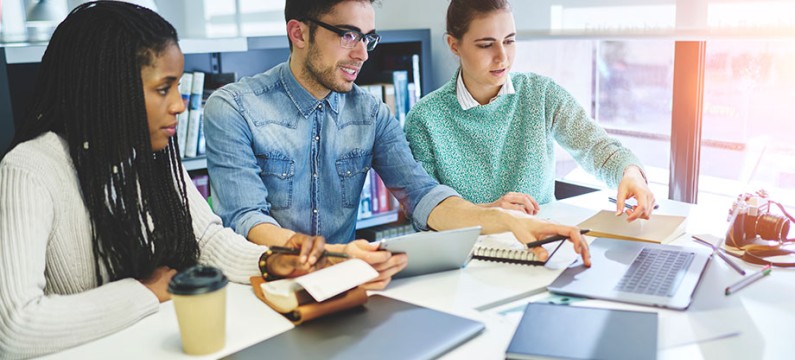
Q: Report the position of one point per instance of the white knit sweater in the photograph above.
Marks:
(49, 298)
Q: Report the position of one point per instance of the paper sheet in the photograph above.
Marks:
(333, 280)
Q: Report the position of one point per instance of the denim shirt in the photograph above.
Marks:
(277, 155)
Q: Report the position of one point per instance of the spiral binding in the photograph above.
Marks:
(505, 255)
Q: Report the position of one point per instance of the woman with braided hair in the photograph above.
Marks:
(96, 214)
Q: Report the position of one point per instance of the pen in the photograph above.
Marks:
(628, 206)
(294, 251)
(721, 254)
(731, 289)
(553, 239)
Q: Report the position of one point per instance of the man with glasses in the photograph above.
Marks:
(288, 149)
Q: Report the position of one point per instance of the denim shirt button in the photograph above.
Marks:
(315, 174)
(317, 138)
(314, 211)
(348, 173)
(284, 174)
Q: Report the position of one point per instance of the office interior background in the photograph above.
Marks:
(724, 127)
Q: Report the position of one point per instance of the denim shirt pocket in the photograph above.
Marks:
(352, 169)
(277, 174)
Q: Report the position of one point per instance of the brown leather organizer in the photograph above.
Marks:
(309, 308)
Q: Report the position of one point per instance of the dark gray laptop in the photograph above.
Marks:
(636, 272)
(549, 331)
(383, 328)
(433, 251)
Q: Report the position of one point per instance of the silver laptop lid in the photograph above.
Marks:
(383, 328)
(612, 259)
(433, 251)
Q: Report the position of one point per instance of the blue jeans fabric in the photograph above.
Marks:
(275, 154)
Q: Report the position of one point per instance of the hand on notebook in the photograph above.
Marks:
(384, 262)
(516, 201)
(633, 184)
(528, 229)
(308, 259)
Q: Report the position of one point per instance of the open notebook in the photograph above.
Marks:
(658, 229)
(505, 248)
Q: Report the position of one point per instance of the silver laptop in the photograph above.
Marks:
(433, 251)
(383, 328)
(636, 272)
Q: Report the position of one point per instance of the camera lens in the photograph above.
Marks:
(772, 227)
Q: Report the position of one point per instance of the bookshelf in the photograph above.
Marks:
(243, 56)
(377, 219)
(195, 163)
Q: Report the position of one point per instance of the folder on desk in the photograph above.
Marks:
(574, 332)
(661, 229)
(384, 328)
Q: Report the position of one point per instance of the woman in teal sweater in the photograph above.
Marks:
(490, 134)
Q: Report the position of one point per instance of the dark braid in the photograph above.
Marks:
(89, 90)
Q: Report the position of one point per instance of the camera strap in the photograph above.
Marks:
(760, 254)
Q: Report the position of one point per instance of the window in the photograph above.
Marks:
(628, 47)
(626, 86)
(748, 123)
(231, 18)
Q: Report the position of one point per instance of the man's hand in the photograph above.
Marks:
(516, 201)
(309, 259)
(633, 184)
(528, 229)
(311, 248)
(157, 283)
(382, 261)
(455, 212)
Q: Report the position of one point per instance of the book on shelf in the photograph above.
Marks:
(384, 201)
(380, 232)
(194, 114)
(505, 248)
(185, 85)
(658, 229)
(202, 183)
(415, 76)
(365, 201)
(200, 143)
(396, 92)
(389, 98)
(400, 78)
(377, 90)
(375, 206)
(412, 95)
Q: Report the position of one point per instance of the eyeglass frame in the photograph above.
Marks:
(368, 39)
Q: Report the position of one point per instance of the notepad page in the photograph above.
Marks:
(333, 280)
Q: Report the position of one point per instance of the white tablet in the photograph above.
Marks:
(433, 251)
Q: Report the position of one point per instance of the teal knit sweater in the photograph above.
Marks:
(508, 145)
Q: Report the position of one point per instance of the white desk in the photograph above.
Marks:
(760, 318)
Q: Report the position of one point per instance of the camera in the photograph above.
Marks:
(750, 219)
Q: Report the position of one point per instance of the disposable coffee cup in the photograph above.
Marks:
(199, 295)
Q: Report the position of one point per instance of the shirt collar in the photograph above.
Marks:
(465, 98)
(302, 99)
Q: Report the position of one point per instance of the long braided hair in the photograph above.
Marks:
(89, 91)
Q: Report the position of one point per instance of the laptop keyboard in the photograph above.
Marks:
(655, 272)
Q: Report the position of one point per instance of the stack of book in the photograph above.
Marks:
(195, 88)
(381, 232)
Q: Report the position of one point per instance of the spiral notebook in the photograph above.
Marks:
(506, 249)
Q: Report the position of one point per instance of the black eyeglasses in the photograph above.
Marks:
(350, 38)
